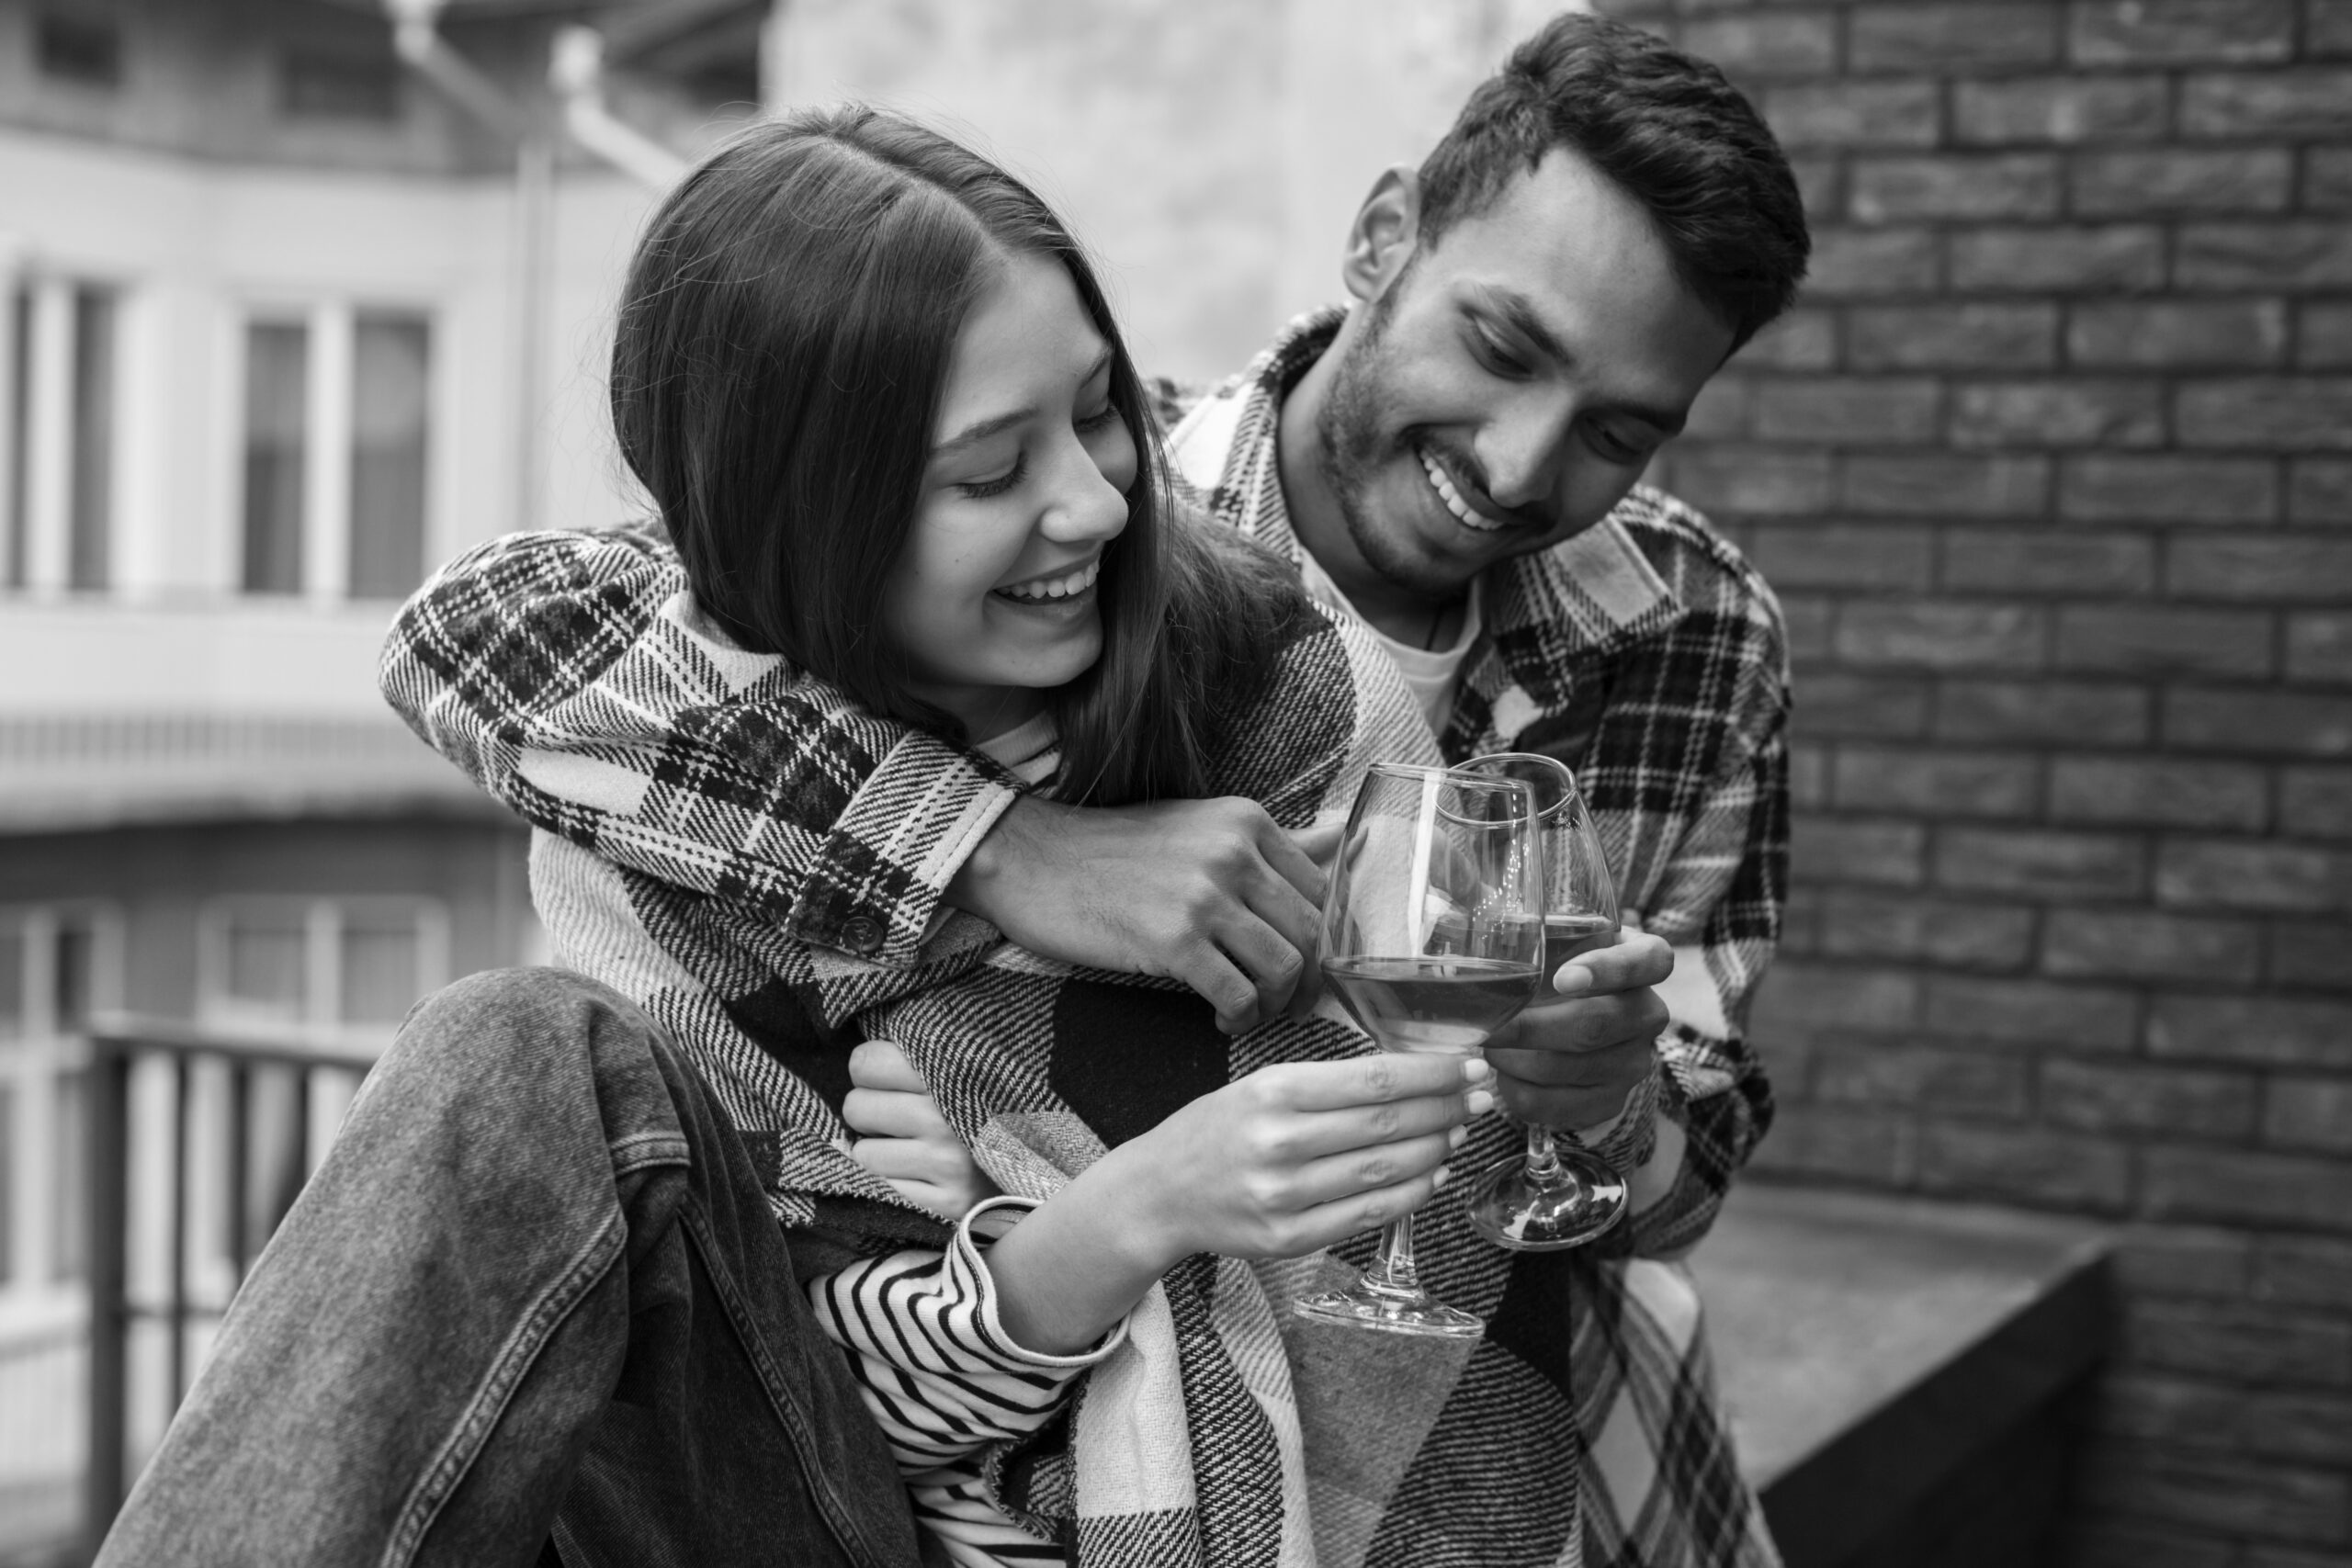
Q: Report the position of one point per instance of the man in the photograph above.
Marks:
(1452, 460)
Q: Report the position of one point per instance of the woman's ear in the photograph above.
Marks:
(1381, 239)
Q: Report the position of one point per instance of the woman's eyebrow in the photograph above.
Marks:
(981, 430)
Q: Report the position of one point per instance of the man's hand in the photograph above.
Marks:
(908, 1143)
(1572, 1058)
(1209, 892)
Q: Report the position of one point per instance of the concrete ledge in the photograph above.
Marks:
(1886, 1359)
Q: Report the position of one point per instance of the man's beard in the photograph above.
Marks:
(1350, 448)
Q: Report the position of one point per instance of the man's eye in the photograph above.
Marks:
(1614, 447)
(1495, 357)
(980, 490)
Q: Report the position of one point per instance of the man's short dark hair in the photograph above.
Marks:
(1666, 126)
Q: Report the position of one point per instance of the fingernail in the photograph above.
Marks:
(1444, 1175)
(1476, 1069)
(1572, 980)
(1459, 1136)
(1479, 1101)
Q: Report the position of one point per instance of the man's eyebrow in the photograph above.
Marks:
(981, 430)
(1518, 313)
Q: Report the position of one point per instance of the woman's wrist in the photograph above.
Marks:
(1079, 1262)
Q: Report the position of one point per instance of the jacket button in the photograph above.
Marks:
(862, 934)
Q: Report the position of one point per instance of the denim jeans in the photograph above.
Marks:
(533, 1303)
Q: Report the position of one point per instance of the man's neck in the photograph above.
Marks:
(1322, 527)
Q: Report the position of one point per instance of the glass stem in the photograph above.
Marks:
(1394, 1269)
(1543, 1156)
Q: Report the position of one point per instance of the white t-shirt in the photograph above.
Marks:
(1432, 676)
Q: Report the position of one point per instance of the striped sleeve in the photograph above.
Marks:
(940, 1374)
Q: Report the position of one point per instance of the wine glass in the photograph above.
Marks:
(1556, 1196)
(1432, 937)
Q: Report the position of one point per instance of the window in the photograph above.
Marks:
(84, 51)
(338, 413)
(324, 85)
(61, 452)
(58, 964)
(321, 968)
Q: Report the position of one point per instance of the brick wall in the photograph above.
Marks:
(2053, 472)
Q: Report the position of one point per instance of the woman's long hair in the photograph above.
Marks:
(783, 346)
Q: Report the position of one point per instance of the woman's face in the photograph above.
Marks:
(993, 597)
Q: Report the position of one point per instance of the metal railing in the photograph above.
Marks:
(252, 1195)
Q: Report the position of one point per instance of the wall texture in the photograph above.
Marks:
(2053, 472)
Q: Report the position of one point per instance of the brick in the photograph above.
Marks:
(2175, 180)
(1845, 556)
(2155, 488)
(2029, 1165)
(1855, 924)
(1957, 1082)
(2259, 1555)
(1932, 634)
(1808, 777)
(2223, 1495)
(2180, 1260)
(1849, 410)
(1802, 340)
(2127, 640)
(1854, 114)
(1951, 337)
(2057, 712)
(2110, 1097)
(1855, 263)
(2320, 490)
(2324, 341)
(2265, 567)
(2273, 413)
(2024, 1011)
(2123, 1542)
(1810, 620)
(2303, 1272)
(2169, 334)
(2327, 28)
(1903, 190)
(1814, 997)
(2199, 1414)
(1935, 783)
(1949, 39)
(1753, 481)
(2279, 1031)
(2040, 864)
(2157, 791)
(2247, 1344)
(2315, 803)
(2140, 944)
(2313, 102)
(2235, 1186)
(1821, 185)
(2309, 1113)
(1985, 561)
(2058, 414)
(1885, 854)
(2288, 724)
(1946, 484)
(2310, 955)
(1753, 46)
(2084, 258)
(2063, 111)
(1854, 1143)
(1876, 706)
(2319, 647)
(2239, 874)
(2295, 257)
(2327, 179)
(2182, 33)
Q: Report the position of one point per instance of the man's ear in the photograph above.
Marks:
(1381, 239)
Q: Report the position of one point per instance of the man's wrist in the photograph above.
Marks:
(1012, 837)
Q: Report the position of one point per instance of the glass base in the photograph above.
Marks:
(1366, 1305)
(1574, 1203)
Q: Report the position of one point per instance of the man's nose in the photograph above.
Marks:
(1524, 450)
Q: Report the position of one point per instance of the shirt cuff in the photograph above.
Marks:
(986, 1221)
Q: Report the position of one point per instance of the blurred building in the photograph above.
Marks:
(286, 318)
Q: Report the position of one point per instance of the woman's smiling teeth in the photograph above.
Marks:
(1462, 510)
(1042, 588)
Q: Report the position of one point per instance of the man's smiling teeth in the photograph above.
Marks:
(1056, 587)
(1453, 501)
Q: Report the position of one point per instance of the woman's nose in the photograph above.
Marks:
(1085, 503)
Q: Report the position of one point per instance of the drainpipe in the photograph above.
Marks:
(576, 72)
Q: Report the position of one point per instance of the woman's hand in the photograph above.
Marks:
(1212, 893)
(908, 1143)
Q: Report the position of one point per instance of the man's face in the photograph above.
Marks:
(1503, 389)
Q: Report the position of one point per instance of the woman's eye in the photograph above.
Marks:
(980, 490)
(1091, 422)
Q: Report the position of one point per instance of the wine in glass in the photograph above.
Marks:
(1432, 940)
(1556, 1196)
